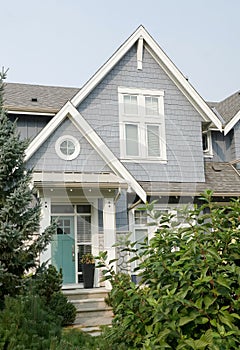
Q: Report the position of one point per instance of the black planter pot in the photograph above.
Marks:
(88, 275)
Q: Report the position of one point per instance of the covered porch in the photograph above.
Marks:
(84, 206)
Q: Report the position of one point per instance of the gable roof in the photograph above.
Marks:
(166, 64)
(91, 136)
(36, 98)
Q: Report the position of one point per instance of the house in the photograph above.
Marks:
(135, 132)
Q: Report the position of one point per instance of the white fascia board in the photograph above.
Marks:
(232, 123)
(185, 87)
(47, 130)
(103, 71)
(106, 154)
(9, 111)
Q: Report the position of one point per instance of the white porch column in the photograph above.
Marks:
(45, 222)
(109, 229)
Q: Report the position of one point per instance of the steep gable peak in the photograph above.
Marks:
(143, 38)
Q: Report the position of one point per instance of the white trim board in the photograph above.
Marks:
(96, 142)
(232, 123)
(163, 60)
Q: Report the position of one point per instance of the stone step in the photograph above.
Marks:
(90, 304)
(87, 319)
(92, 311)
(77, 294)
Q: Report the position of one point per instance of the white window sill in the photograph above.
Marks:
(208, 155)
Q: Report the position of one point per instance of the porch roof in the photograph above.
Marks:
(79, 180)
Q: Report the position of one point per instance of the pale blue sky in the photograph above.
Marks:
(63, 42)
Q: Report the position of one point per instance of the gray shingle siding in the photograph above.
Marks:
(46, 159)
(237, 140)
(183, 123)
(222, 146)
(122, 213)
(29, 126)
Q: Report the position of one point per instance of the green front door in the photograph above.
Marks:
(63, 248)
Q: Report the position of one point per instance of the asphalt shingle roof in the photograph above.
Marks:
(229, 107)
(36, 98)
(221, 178)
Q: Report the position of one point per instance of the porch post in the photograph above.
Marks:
(109, 229)
(44, 223)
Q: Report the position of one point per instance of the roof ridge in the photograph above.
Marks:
(43, 85)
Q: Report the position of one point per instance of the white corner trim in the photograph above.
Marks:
(232, 123)
(140, 53)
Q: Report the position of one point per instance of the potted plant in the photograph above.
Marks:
(88, 269)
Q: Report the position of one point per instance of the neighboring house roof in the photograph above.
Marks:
(229, 110)
(222, 178)
(36, 98)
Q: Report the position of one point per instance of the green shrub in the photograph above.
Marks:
(60, 305)
(47, 283)
(27, 324)
(189, 294)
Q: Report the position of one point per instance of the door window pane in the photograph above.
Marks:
(153, 141)
(131, 140)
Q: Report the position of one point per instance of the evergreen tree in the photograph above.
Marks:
(20, 246)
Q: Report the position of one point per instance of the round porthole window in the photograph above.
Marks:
(67, 147)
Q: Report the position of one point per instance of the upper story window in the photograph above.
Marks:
(207, 144)
(142, 125)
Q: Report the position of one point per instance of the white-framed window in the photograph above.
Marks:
(207, 144)
(142, 124)
(67, 147)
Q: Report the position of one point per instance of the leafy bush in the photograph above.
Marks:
(27, 324)
(189, 294)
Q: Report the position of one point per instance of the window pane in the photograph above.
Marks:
(140, 235)
(131, 139)
(205, 142)
(151, 106)
(153, 141)
(84, 209)
(140, 217)
(130, 104)
(67, 147)
(62, 209)
(84, 229)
